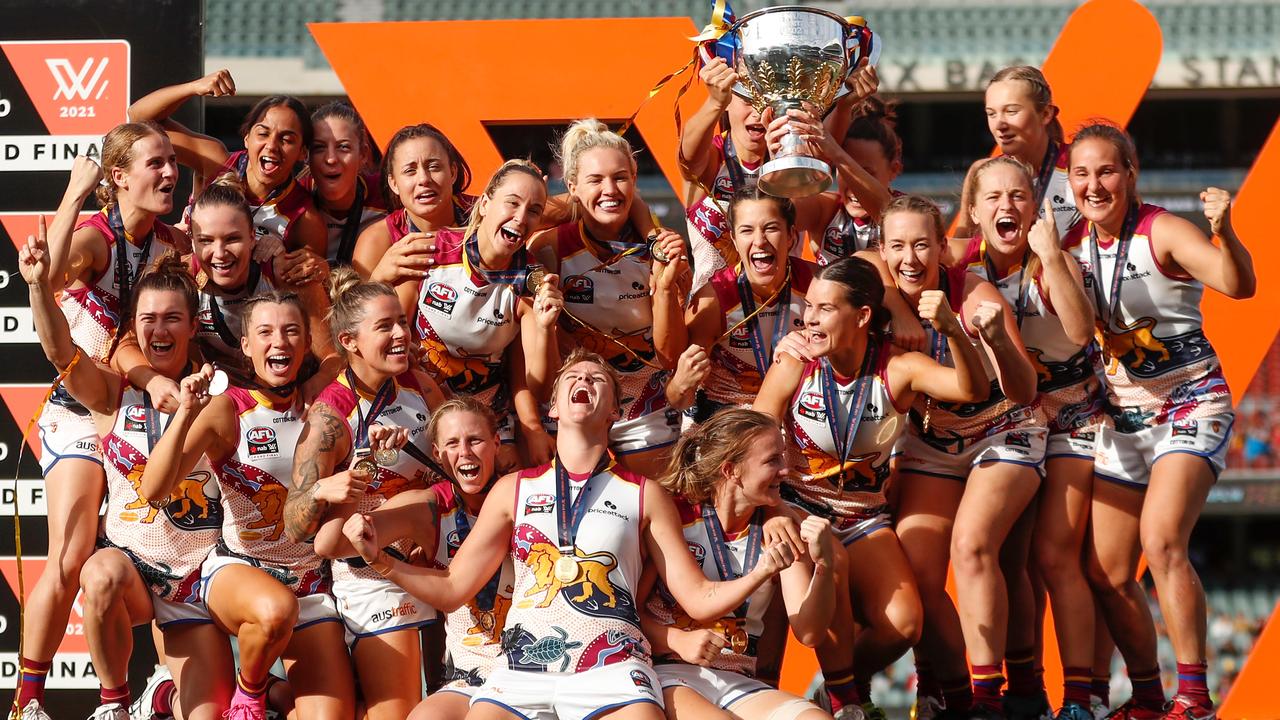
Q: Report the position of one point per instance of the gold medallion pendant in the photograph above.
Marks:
(566, 569)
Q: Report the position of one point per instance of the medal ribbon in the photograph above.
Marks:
(569, 517)
(381, 399)
(513, 275)
(629, 248)
(485, 598)
(720, 548)
(351, 228)
(1020, 304)
(1112, 303)
(1047, 166)
(782, 297)
(219, 321)
(844, 440)
(124, 278)
(154, 430)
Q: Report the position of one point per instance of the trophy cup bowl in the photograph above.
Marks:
(792, 57)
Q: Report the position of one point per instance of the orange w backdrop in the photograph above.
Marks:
(555, 71)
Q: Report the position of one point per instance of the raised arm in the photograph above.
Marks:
(915, 372)
(1061, 279)
(703, 599)
(538, 336)
(670, 335)
(476, 561)
(200, 152)
(990, 318)
(808, 587)
(698, 159)
(85, 380)
(1228, 267)
(201, 426)
(75, 255)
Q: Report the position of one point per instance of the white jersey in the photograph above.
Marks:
(400, 403)
(591, 621)
(473, 632)
(1160, 366)
(255, 484)
(849, 489)
(1068, 375)
(709, 232)
(1057, 188)
(742, 630)
(167, 545)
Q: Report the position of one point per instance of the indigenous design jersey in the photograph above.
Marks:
(255, 484)
(1160, 366)
(707, 222)
(407, 409)
(954, 426)
(1068, 377)
(473, 632)
(273, 217)
(218, 328)
(664, 607)
(735, 377)
(592, 621)
(819, 483)
(614, 299)
(93, 310)
(168, 544)
(465, 324)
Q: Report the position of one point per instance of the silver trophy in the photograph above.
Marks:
(792, 57)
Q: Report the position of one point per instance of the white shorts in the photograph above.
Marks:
(722, 687)
(461, 687)
(170, 614)
(1079, 442)
(647, 432)
(64, 435)
(570, 696)
(375, 607)
(312, 609)
(1018, 446)
(1127, 458)
(850, 531)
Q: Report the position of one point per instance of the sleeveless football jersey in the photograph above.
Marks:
(465, 324)
(591, 622)
(739, 361)
(1056, 186)
(401, 403)
(614, 297)
(473, 632)
(167, 545)
(255, 484)
(702, 543)
(1071, 391)
(820, 482)
(93, 310)
(1160, 366)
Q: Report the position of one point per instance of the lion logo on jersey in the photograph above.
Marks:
(464, 372)
(269, 500)
(1135, 342)
(593, 574)
(487, 624)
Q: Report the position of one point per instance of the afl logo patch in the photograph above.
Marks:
(641, 680)
(724, 187)
(538, 504)
(740, 337)
(205, 319)
(1017, 438)
(833, 241)
(579, 289)
(811, 406)
(441, 297)
(699, 552)
(262, 441)
(452, 543)
(1186, 428)
(135, 419)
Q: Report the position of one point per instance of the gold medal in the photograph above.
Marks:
(738, 641)
(566, 569)
(367, 466)
(533, 281)
(656, 250)
(386, 457)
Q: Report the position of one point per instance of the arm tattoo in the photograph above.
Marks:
(303, 513)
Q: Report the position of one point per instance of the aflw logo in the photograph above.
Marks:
(72, 84)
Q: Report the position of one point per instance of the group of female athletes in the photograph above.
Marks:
(570, 464)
